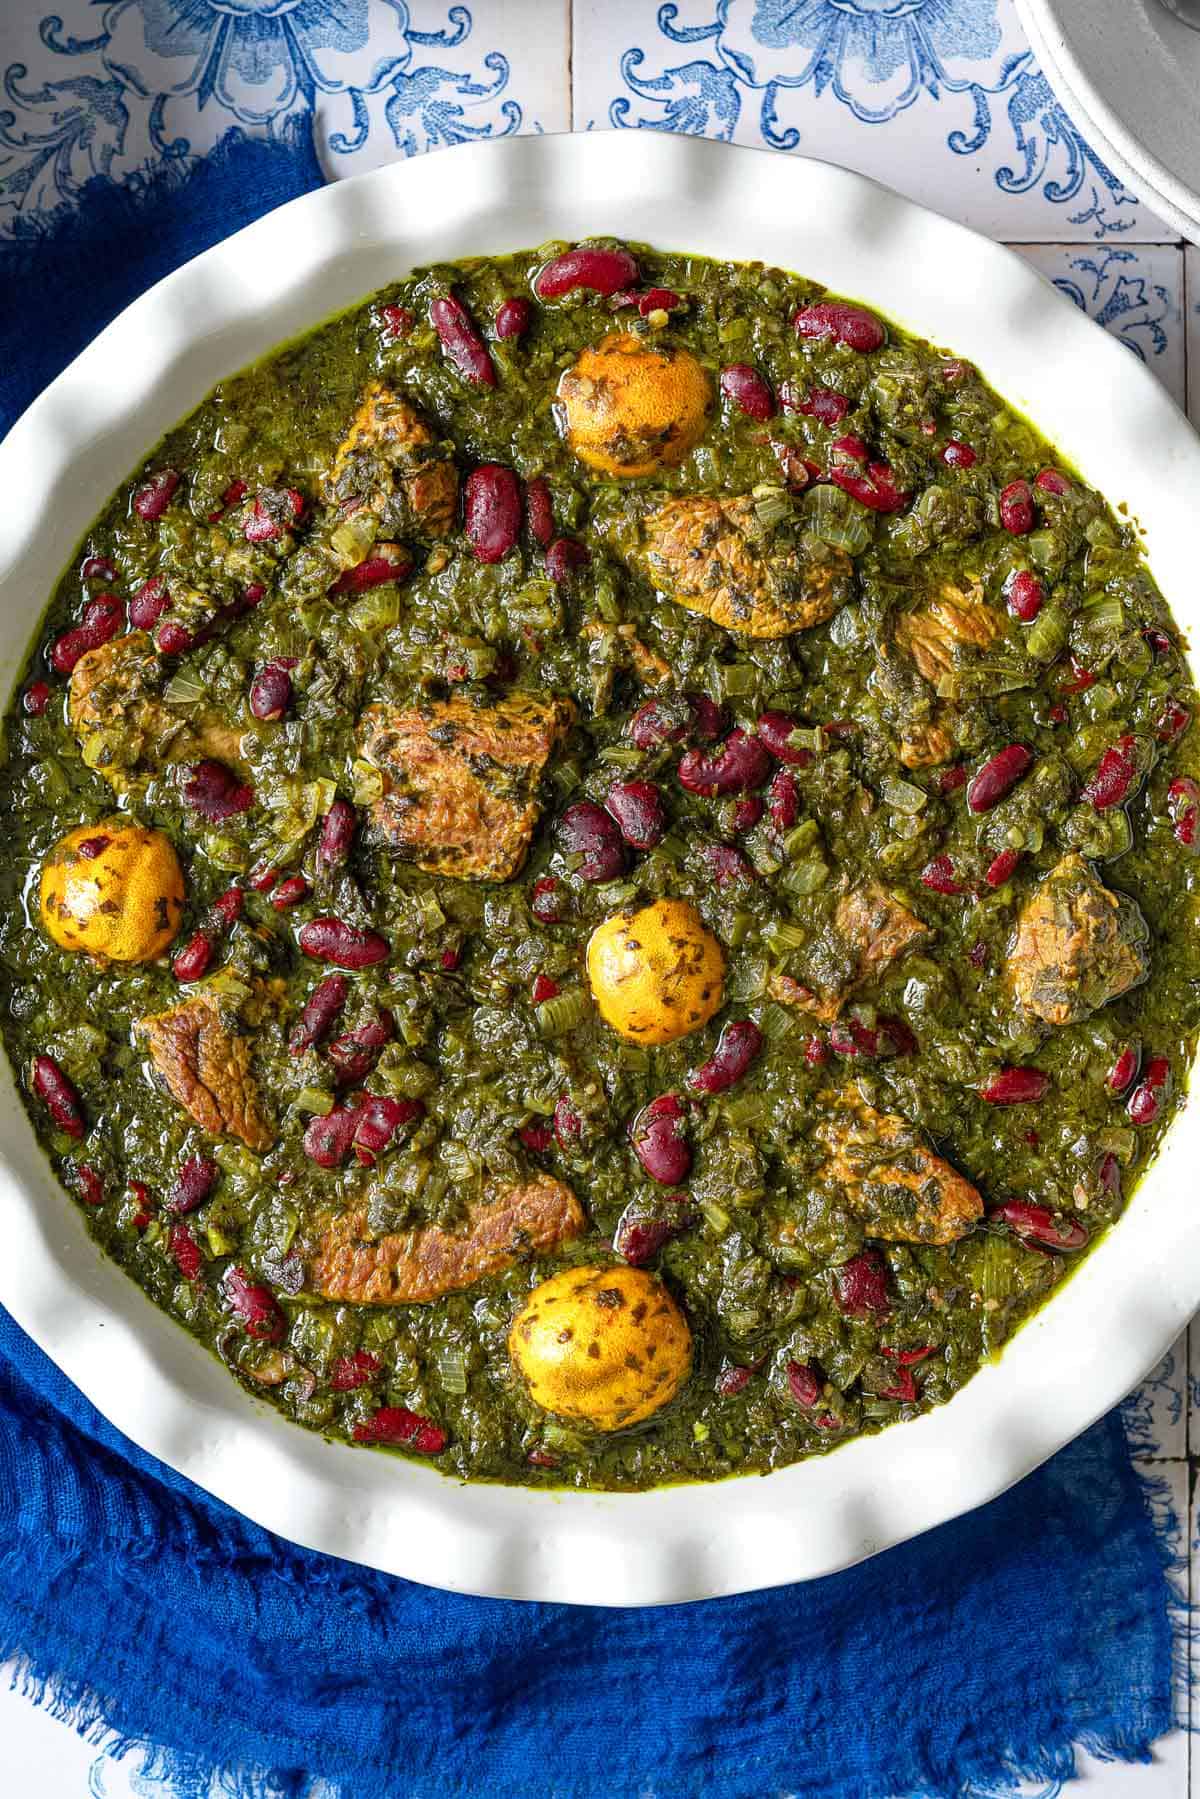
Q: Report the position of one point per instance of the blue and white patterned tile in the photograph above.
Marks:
(1155, 1413)
(1136, 291)
(940, 98)
(117, 88)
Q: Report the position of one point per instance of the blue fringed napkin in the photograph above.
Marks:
(145, 1612)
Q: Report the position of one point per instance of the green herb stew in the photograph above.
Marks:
(602, 881)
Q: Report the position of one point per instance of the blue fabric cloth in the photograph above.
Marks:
(144, 1611)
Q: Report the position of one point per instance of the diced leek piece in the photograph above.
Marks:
(715, 1216)
(620, 755)
(218, 1242)
(368, 783)
(776, 1021)
(739, 926)
(807, 876)
(743, 1109)
(903, 795)
(377, 610)
(563, 1013)
(801, 837)
(737, 680)
(351, 539)
(558, 1437)
(999, 1265)
(451, 1365)
(671, 849)
(1047, 634)
(1106, 613)
(838, 519)
(432, 916)
(225, 852)
(184, 690)
(314, 1100)
(772, 507)
(782, 935)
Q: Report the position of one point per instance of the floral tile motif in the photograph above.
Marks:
(1136, 291)
(112, 89)
(1155, 1415)
(941, 98)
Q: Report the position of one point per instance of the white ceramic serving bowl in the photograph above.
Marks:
(1128, 72)
(283, 275)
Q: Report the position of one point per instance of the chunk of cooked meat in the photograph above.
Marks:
(125, 727)
(460, 781)
(937, 634)
(890, 1178)
(715, 557)
(413, 1267)
(925, 746)
(1077, 945)
(868, 931)
(205, 1067)
(391, 461)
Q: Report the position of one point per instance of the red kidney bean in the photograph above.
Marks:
(327, 1139)
(1079, 680)
(149, 603)
(1183, 808)
(568, 1125)
(804, 1384)
(97, 568)
(1114, 775)
(272, 512)
(289, 893)
(603, 272)
(320, 1009)
(227, 908)
(1050, 481)
(659, 1143)
(746, 814)
(659, 299)
(387, 562)
(783, 800)
(872, 484)
(263, 878)
(726, 866)
(850, 1037)
(824, 404)
(193, 959)
(155, 494)
(513, 319)
(661, 720)
(586, 830)
(1146, 1100)
(738, 765)
(565, 557)
(638, 1240)
(951, 779)
(254, 1306)
(101, 620)
(1038, 1224)
(536, 1137)
(1015, 1087)
(354, 1370)
(395, 1424)
(36, 698)
(1121, 1075)
(816, 1052)
(355, 1053)
(903, 1388)
(1171, 722)
(492, 511)
(172, 640)
(1025, 595)
(638, 809)
(733, 1378)
(746, 389)
(398, 321)
(186, 1252)
(337, 834)
(775, 730)
(907, 1358)
(939, 876)
(1002, 867)
(58, 1096)
(544, 901)
(853, 326)
(195, 1181)
(271, 689)
(89, 1183)
(998, 776)
(956, 454)
(861, 1286)
(332, 940)
(738, 1046)
(543, 989)
(215, 792)
(895, 1037)
(539, 510)
(1016, 508)
(1108, 1174)
(465, 350)
(378, 1121)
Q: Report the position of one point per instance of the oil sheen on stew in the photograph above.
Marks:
(601, 880)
